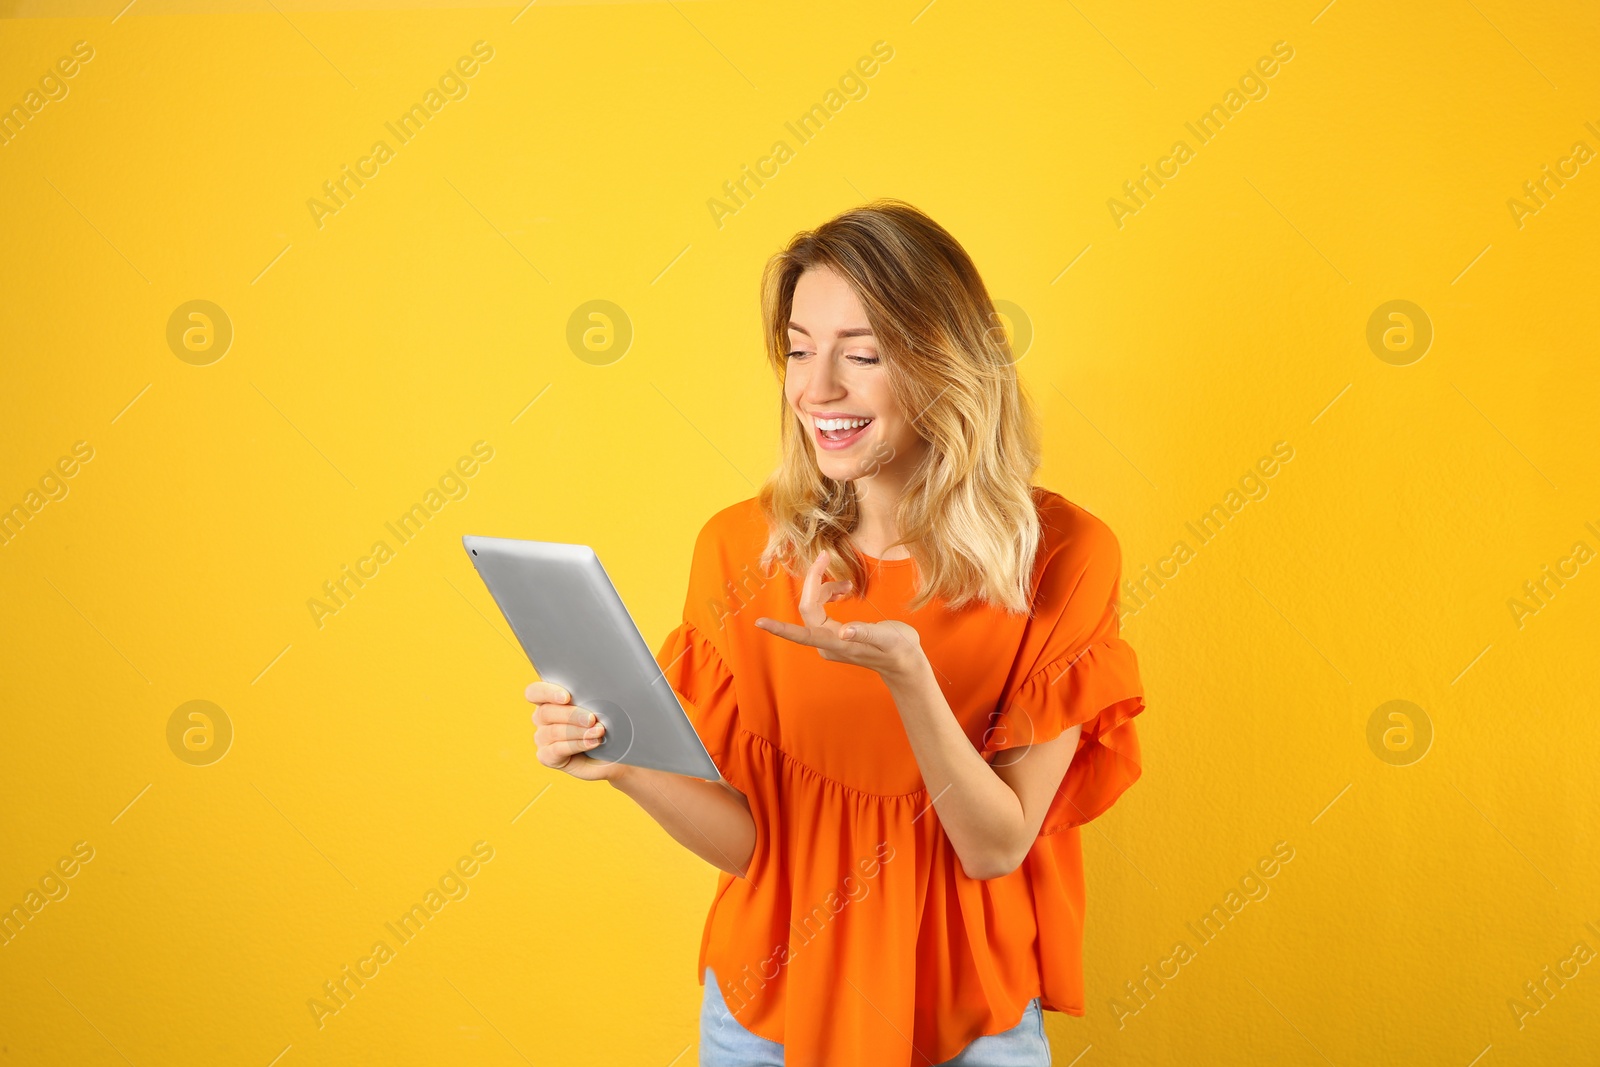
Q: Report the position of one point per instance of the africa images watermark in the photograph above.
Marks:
(1252, 887)
(52, 487)
(452, 85)
(738, 594)
(338, 992)
(53, 887)
(1137, 593)
(1252, 86)
(737, 992)
(1539, 991)
(852, 85)
(1541, 190)
(1539, 591)
(52, 88)
(340, 590)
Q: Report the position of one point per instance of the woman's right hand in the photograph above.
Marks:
(564, 734)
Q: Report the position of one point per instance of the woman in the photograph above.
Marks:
(904, 658)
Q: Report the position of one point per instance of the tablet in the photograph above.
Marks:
(575, 630)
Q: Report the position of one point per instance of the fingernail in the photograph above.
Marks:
(847, 633)
(592, 741)
(592, 718)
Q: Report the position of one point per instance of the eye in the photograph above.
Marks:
(864, 361)
(796, 353)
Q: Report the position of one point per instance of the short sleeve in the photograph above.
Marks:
(1077, 671)
(696, 661)
(695, 670)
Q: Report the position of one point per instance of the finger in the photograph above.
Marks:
(546, 714)
(557, 753)
(870, 634)
(818, 572)
(787, 630)
(548, 693)
(813, 597)
(565, 731)
(811, 592)
(812, 611)
(814, 636)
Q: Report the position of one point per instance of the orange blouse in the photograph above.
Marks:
(855, 936)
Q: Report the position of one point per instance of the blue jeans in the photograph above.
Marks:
(724, 1042)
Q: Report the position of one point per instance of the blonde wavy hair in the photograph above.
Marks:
(968, 516)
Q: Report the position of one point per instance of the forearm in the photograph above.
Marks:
(710, 819)
(980, 813)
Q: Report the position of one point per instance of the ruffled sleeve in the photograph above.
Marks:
(696, 662)
(1075, 668)
(703, 683)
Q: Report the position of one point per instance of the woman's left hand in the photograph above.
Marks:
(892, 648)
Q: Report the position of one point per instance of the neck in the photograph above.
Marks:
(877, 499)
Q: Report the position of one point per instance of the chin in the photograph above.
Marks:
(836, 470)
(846, 465)
(862, 458)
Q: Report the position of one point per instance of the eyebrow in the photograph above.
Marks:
(855, 331)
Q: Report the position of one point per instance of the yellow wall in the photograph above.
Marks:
(375, 747)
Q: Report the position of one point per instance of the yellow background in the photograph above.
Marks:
(368, 355)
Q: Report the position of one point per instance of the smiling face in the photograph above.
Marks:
(837, 386)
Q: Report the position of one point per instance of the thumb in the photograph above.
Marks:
(863, 633)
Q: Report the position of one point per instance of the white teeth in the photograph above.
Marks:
(840, 424)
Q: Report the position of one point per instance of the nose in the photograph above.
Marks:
(823, 384)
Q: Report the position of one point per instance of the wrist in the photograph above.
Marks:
(622, 777)
(911, 674)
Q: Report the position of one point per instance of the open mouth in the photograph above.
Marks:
(836, 433)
